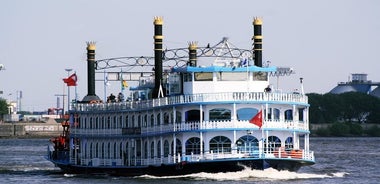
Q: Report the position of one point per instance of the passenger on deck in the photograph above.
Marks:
(111, 98)
(120, 97)
(268, 89)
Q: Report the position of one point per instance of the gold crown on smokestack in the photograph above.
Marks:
(158, 20)
(91, 45)
(257, 21)
(193, 45)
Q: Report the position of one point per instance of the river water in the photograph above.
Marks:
(338, 160)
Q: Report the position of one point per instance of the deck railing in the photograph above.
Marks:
(195, 98)
(299, 154)
(197, 126)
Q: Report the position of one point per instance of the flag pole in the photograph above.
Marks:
(121, 81)
(262, 134)
(105, 85)
(76, 92)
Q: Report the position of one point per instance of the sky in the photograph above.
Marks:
(324, 41)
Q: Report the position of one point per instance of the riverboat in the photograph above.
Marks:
(212, 109)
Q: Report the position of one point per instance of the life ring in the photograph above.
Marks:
(93, 101)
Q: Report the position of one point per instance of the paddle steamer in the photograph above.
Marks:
(212, 109)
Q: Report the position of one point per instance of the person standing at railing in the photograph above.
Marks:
(120, 97)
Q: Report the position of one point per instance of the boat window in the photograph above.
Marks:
(146, 150)
(220, 144)
(187, 77)
(102, 123)
(193, 146)
(103, 148)
(90, 123)
(203, 76)
(247, 144)
(152, 149)
(175, 84)
(289, 143)
(273, 113)
(192, 115)
(178, 147)
(126, 154)
(219, 114)
(114, 150)
(121, 150)
(300, 114)
(126, 122)
(289, 115)
(152, 120)
(83, 125)
(108, 122)
(138, 148)
(232, 76)
(166, 148)
(273, 142)
(96, 122)
(276, 114)
(145, 120)
(158, 119)
(139, 120)
(178, 118)
(159, 149)
(109, 150)
(246, 113)
(97, 151)
(166, 118)
(91, 156)
(260, 76)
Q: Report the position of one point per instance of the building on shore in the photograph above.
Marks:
(358, 83)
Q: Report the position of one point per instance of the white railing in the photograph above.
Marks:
(197, 126)
(105, 132)
(195, 98)
(255, 154)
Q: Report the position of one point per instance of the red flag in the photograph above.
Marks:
(71, 80)
(257, 119)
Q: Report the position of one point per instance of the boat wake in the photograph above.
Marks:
(251, 175)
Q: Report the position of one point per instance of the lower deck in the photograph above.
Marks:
(190, 147)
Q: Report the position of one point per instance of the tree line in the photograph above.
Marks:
(345, 113)
(346, 107)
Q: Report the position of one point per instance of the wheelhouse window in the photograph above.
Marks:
(203, 76)
(232, 76)
(260, 76)
(187, 77)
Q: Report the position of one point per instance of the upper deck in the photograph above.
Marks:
(206, 98)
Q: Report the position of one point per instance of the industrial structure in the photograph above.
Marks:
(358, 83)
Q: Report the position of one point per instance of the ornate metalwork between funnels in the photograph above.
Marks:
(177, 57)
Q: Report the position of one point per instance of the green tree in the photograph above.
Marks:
(339, 129)
(3, 107)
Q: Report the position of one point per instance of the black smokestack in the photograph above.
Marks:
(258, 41)
(158, 38)
(91, 96)
(192, 54)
